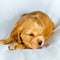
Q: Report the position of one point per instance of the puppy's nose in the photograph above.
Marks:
(40, 43)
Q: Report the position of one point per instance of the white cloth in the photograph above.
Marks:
(10, 10)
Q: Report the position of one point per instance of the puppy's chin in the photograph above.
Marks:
(34, 47)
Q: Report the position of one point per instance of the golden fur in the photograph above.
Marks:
(30, 31)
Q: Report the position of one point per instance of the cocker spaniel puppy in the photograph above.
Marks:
(31, 31)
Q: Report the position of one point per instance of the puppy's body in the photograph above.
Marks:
(30, 30)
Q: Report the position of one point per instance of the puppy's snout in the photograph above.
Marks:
(40, 43)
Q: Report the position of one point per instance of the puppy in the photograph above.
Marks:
(31, 31)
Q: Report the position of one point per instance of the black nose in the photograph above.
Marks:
(39, 43)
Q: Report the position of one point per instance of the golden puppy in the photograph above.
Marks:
(30, 31)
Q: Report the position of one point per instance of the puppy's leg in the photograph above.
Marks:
(16, 46)
(6, 41)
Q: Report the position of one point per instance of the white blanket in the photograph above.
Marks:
(10, 10)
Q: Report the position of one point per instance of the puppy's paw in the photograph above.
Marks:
(16, 46)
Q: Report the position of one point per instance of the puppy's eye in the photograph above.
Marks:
(39, 43)
(31, 34)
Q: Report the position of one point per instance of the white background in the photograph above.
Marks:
(10, 10)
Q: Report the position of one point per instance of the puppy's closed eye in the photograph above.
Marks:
(31, 34)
